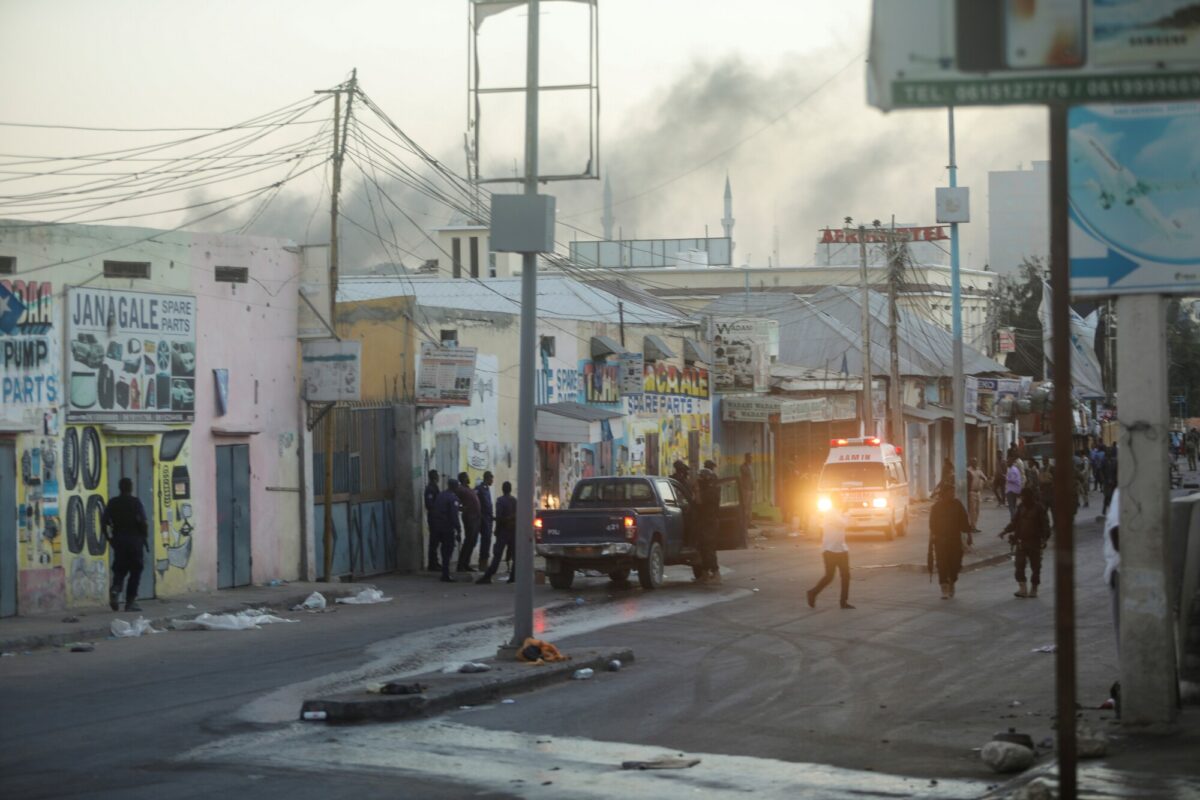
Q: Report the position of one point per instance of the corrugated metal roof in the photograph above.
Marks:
(573, 410)
(558, 297)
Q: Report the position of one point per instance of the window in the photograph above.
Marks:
(456, 256)
(8, 265)
(548, 346)
(668, 493)
(474, 256)
(599, 493)
(491, 265)
(127, 269)
(449, 338)
(231, 274)
(841, 474)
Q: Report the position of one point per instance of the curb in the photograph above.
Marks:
(447, 691)
(41, 640)
(983, 563)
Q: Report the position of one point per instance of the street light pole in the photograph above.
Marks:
(959, 390)
(526, 449)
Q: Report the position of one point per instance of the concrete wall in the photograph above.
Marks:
(247, 329)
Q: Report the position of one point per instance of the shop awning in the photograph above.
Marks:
(576, 423)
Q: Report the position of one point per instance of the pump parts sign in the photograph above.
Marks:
(131, 356)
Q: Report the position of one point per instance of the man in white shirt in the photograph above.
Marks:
(836, 556)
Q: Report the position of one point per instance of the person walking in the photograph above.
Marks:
(506, 533)
(1029, 531)
(432, 490)
(1110, 475)
(1014, 481)
(446, 525)
(487, 517)
(976, 480)
(1190, 445)
(948, 521)
(1098, 467)
(472, 515)
(746, 481)
(128, 534)
(836, 556)
(709, 502)
(1082, 467)
(998, 478)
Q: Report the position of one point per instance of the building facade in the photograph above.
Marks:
(169, 358)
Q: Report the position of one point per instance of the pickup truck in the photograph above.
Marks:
(619, 524)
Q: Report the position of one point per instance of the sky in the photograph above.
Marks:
(770, 93)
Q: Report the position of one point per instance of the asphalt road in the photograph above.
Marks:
(906, 684)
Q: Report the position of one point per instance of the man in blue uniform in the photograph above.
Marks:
(468, 501)
(487, 518)
(444, 524)
(431, 494)
(506, 532)
(124, 524)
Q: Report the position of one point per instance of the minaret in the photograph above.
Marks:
(606, 220)
(727, 222)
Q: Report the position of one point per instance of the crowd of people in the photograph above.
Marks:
(461, 517)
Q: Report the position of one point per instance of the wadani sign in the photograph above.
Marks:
(131, 356)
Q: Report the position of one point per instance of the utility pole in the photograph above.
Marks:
(960, 420)
(894, 399)
(867, 399)
(621, 317)
(526, 449)
(339, 153)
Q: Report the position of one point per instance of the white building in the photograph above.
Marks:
(1018, 217)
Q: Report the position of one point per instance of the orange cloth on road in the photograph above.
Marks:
(548, 652)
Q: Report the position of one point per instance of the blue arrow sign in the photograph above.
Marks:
(1114, 266)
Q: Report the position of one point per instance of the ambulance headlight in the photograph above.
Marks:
(879, 502)
(824, 503)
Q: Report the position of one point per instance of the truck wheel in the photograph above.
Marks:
(650, 571)
(561, 576)
(697, 571)
(619, 576)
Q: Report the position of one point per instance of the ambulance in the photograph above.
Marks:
(863, 487)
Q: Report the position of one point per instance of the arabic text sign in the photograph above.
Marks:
(132, 356)
(446, 376)
(332, 371)
(926, 53)
(1134, 190)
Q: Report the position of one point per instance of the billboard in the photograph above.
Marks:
(445, 376)
(930, 53)
(741, 353)
(132, 356)
(331, 371)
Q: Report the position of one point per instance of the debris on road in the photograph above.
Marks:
(1006, 757)
(474, 666)
(314, 602)
(81, 647)
(537, 652)
(1037, 789)
(365, 598)
(1046, 648)
(614, 665)
(127, 630)
(313, 716)
(250, 619)
(1011, 735)
(507, 702)
(70, 619)
(1014, 704)
(1090, 743)
(666, 762)
(583, 674)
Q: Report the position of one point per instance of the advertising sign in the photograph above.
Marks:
(331, 371)
(445, 375)
(29, 360)
(741, 354)
(748, 408)
(808, 409)
(132, 356)
(1006, 340)
(632, 367)
(1134, 189)
(930, 53)
(601, 382)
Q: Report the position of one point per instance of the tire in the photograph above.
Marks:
(93, 526)
(697, 571)
(75, 526)
(71, 459)
(563, 576)
(89, 463)
(619, 575)
(650, 571)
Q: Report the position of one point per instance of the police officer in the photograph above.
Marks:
(444, 524)
(472, 515)
(709, 501)
(487, 517)
(1029, 531)
(124, 525)
(431, 495)
(506, 532)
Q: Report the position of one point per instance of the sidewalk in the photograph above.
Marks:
(18, 634)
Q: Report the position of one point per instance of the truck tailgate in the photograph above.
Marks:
(584, 525)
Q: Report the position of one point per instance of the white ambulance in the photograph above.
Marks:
(863, 487)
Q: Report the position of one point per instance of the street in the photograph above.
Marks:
(743, 675)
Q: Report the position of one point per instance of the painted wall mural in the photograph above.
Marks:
(29, 381)
(132, 356)
(87, 484)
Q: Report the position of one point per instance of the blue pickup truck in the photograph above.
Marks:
(644, 523)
